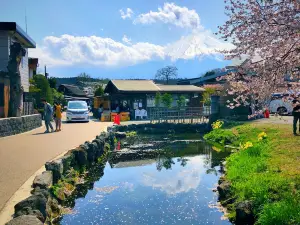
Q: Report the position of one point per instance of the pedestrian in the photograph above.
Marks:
(296, 114)
(57, 116)
(48, 113)
(100, 111)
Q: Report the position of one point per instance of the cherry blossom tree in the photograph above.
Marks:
(267, 32)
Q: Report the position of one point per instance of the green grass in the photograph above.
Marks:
(268, 173)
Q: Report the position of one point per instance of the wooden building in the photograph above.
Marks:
(132, 94)
(72, 92)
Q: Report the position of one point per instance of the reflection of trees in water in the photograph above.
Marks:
(212, 171)
(183, 161)
(211, 159)
(164, 161)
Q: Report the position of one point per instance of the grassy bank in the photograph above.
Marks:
(264, 170)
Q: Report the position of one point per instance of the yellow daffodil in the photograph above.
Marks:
(217, 125)
(262, 136)
(245, 146)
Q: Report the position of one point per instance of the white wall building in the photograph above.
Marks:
(10, 32)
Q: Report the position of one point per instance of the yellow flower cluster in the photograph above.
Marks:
(248, 144)
(217, 125)
(262, 136)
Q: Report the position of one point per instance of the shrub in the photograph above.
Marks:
(167, 100)
(221, 136)
(157, 99)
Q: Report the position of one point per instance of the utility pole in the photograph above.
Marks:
(46, 74)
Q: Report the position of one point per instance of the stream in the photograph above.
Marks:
(172, 187)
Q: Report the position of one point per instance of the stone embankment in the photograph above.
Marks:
(60, 181)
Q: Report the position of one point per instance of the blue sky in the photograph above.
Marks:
(122, 39)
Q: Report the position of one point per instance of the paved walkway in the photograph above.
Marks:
(276, 120)
(22, 155)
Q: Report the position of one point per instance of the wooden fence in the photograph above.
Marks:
(179, 115)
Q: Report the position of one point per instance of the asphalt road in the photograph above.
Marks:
(22, 155)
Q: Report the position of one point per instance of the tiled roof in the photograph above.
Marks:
(150, 86)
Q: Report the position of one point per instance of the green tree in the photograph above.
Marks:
(157, 99)
(52, 82)
(40, 89)
(58, 97)
(207, 94)
(83, 77)
(181, 101)
(99, 91)
(167, 100)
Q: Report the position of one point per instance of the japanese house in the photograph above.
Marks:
(133, 94)
(10, 33)
(72, 92)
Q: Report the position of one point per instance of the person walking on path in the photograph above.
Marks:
(57, 116)
(48, 112)
(296, 114)
(100, 111)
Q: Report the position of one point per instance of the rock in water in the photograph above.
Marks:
(43, 180)
(25, 220)
(224, 189)
(244, 214)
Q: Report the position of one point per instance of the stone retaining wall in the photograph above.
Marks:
(60, 181)
(162, 128)
(16, 125)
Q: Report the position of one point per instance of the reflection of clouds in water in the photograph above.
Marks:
(128, 186)
(173, 182)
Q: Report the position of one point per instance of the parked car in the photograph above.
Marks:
(77, 111)
(280, 104)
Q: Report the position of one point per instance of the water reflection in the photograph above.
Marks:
(182, 180)
(173, 187)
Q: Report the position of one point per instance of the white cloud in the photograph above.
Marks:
(185, 180)
(171, 14)
(45, 58)
(126, 14)
(126, 40)
(68, 50)
(93, 50)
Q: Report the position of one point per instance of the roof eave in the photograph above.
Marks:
(14, 29)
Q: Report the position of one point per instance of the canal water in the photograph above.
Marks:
(173, 188)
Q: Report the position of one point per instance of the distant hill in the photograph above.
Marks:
(77, 82)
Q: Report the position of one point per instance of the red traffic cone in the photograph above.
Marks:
(117, 119)
(267, 114)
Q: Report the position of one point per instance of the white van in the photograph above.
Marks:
(280, 105)
(78, 111)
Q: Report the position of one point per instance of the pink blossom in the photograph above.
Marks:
(267, 32)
